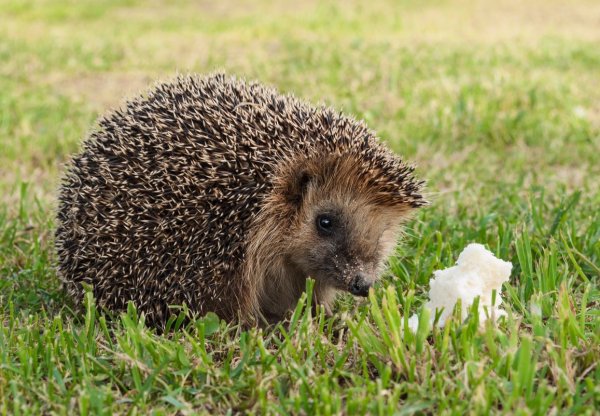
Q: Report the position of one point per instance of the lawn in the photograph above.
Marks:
(497, 102)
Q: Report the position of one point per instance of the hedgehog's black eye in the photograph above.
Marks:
(325, 224)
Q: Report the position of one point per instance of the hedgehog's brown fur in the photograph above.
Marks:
(205, 192)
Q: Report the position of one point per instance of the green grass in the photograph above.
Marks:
(497, 102)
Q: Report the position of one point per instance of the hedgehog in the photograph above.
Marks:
(226, 196)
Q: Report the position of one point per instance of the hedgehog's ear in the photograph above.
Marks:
(297, 186)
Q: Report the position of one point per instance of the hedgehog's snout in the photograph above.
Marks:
(360, 285)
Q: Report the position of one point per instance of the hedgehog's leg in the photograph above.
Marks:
(325, 296)
(328, 310)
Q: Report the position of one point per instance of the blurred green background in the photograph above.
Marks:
(469, 90)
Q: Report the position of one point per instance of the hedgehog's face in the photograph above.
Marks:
(342, 227)
(342, 241)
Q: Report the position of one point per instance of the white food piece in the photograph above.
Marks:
(477, 273)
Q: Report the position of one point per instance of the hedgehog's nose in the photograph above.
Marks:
(360, 285)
